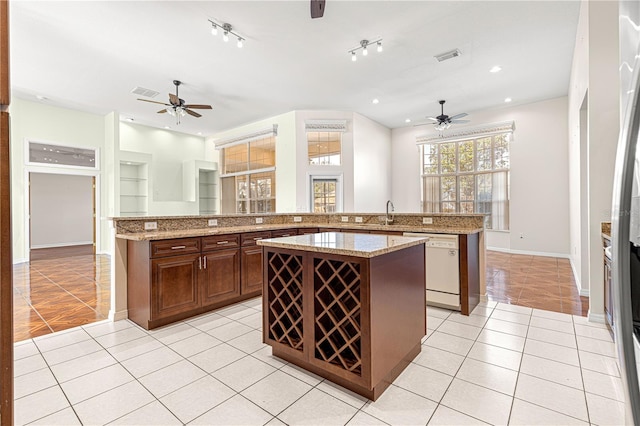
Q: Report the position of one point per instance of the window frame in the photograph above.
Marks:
(340, 154)
(311, 178)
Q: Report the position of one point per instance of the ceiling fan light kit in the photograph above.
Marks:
(226, 30)
(177, 107)
(364, 44)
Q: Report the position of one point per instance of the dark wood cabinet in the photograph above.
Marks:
(305, 231)
(221, 276)
(251, 263)
(284, 233)
(175, 283)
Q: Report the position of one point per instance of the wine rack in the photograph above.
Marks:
(284, 286)
(337, 308)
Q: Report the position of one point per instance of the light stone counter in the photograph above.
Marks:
(203, 232)
(347, 244)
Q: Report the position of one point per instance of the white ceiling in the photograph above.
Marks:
(89, 55)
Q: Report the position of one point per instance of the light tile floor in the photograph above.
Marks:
(504, 364)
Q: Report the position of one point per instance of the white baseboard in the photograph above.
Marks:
(484, 298)
(583, 292)
(530, 253)
(76, 243)
(117, 316)
(599, 318)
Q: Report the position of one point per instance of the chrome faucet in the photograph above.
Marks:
(389, 217)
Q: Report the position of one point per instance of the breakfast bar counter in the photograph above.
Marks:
(348, 307)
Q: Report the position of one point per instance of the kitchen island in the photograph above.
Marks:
(348, 307)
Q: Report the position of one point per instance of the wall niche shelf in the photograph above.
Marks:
(134, 184)
(200, 184)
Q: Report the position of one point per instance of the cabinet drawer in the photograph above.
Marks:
(175, 247)
(219, 242)
(284, 233)
(250, 238)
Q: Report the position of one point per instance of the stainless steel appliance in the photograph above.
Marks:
(442, 270)
(626, 213)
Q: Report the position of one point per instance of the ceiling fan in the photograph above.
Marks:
(317, 8)
(443, 121)
(177, 107)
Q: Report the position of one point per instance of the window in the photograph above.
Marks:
(59, 155)
(325, 194)
(468, 176)
(248, 183)
(324, 148)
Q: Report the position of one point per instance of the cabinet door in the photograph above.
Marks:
(221, 276)
(251, 269)
(174, 285)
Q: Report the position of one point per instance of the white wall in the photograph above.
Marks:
(61, 210)
(168, 151)
(594, 72)
(37, 121)
(539, 208)
(371, 165)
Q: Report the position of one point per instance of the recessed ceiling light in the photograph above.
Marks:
(507, 100)
(130, 120)
(167, 127)
(42, 98)
(496, 68)
(376, 101)
(199, 133)
(408, 120)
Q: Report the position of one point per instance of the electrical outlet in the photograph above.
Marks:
(259, 220)
(358, 219)
(213, 222)
(150, 226)
(345, 218)
(427, 220)
(297, 218)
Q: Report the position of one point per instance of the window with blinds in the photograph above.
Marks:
(468, 176)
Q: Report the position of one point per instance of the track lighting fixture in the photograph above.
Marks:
(363, 45)
(226, 30)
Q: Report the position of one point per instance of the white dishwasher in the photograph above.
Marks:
(442, 269)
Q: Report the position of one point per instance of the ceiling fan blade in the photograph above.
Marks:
(432, 118)
(153, 102)
(422, 124)
(460, 121)
(162, 111)
(464, 114)
(174, 99)
(317, 8)
(195, 114)
(198, 106)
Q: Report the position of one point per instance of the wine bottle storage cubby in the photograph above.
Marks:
(337, 308)
(284, 286)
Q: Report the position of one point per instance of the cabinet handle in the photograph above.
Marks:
(222, 242)
(178, 247)
(257, 238)
(200, 262)
(205, 262)
(285, 235)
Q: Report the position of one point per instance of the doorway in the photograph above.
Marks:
(62, 212)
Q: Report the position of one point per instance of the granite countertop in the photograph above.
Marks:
(203, 232)
(348, 244)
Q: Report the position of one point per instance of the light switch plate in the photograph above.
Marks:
(358, 219)
(345, 218)
(427, 220)
(297, 218)
(213, 222)
(259, 220)
(150, 226)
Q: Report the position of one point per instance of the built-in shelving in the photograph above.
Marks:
(133, 189)
(207, 191)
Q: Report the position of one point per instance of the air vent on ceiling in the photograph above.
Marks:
(448, 55)
(145, 92)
